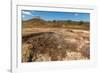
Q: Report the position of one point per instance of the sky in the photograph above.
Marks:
(49, 16)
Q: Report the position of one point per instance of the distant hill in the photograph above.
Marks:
(39, 22)
(33, 22)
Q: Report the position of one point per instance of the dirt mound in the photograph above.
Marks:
(49, 43)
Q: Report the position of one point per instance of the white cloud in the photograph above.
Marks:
(26, 13)
(76, 14)
(23, 16)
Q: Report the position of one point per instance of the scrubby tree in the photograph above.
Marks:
(69, 21)
(81, 22)
(54, 21)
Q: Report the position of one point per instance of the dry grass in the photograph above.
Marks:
(43, 41)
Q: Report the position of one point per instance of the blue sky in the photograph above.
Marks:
(48, 15)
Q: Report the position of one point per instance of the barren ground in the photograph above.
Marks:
(79, 40)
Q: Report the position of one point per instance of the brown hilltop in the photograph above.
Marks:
(37, 22)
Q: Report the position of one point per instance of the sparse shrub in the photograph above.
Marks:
(69, 21)
(81, 22)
